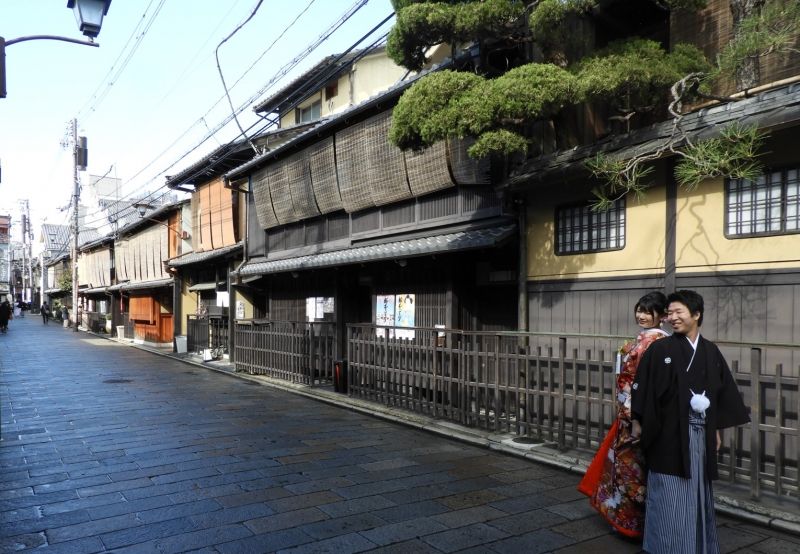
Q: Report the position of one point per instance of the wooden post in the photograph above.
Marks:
(755, 421)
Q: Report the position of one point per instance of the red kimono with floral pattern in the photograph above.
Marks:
(616, 480)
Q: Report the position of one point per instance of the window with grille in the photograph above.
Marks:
(579, 229)
(770, 205)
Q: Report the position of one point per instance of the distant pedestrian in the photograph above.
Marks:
(6, 313)
(45, 313)
(616, 479)
(683, 394)
(22, 307)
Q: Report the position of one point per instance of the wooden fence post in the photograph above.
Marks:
(755, 423)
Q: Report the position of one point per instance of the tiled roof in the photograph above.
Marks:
(197, 257)
(445, 242)
(141, 285)
(329, 67)
(327, 123)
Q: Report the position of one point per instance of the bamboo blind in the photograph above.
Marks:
(279, 189)
(466, 170)
(322, 166)
(263, 200)
(351, 168)
(386, 166)
(298, 175)
(428, 170)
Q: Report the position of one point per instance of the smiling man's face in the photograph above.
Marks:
(683, 321)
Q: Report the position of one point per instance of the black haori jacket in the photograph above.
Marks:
(660, 401)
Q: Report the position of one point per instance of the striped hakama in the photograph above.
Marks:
(679, 516)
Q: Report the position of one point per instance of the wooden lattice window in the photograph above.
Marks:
(580, 229)
(770, 205)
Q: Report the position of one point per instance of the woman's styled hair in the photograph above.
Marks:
(654, 303)
(691, 300)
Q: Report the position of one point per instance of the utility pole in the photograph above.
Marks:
(79, 162)
(30, 251)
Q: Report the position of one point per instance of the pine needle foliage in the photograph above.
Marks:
(421, 24)
(635, 72)
(631, 76)
(733, 154)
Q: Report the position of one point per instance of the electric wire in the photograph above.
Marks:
(318, 82)
(95, 100)
(280, 74)
(152, 194)
(222, 77)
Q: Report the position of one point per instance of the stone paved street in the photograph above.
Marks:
(110, 447)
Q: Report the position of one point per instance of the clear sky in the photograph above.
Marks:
(151, 92)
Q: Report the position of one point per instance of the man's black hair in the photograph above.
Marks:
(691, 300)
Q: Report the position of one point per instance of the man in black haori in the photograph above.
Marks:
(682, 395)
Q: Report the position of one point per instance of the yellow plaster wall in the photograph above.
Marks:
(701, 244)
(643, 253)
(188, 305)
(237, 296)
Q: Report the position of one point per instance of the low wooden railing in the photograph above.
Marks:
(297, 351)
(206, 332)
(560, 389)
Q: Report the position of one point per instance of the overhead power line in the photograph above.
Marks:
(95, 100)
(280, 74)
(263, 125)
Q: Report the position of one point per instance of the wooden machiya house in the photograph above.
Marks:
(143, 292)
(735, 241)
(202, 285)
(95, 275)
(352, 243)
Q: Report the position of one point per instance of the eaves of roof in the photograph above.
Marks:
(102, 241)
(223, 159)
(770, 110)
(198, 257)
(148, 219)
(452, 241)
(142, 285)
(297, 90)
(328, 125)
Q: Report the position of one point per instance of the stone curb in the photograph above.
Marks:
(738, 508)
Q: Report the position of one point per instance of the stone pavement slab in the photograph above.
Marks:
(107, 447)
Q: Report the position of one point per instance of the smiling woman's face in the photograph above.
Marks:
(645, 319)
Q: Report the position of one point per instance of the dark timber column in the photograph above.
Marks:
(522, 274)
(177, 289)
(671, 229)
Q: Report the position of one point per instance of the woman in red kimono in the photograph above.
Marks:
(615, 481)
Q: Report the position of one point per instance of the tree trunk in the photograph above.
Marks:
(749, 73)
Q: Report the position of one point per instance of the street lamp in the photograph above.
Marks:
(89, 15)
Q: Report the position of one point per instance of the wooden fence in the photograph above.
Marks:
(206, 332)
(560, 389)
(297, 351)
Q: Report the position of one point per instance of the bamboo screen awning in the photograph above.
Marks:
(212, 216)
(139, 257)
(95, 268)
(356, 169)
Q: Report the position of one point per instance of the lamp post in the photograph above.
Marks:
(89, 15)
